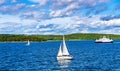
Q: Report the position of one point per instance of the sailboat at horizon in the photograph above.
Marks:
(28, 43)
(63, 53)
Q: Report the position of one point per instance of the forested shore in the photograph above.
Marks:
(40, 38)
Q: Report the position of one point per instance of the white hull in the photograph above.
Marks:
(64, 57)
(103, 41)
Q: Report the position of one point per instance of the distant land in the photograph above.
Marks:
(40, 38)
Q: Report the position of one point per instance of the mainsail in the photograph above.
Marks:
(63, 49)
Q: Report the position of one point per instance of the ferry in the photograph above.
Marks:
(104, 39)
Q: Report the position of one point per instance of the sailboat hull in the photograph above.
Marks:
(64, 57)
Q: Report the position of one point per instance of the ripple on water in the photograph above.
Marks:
(88, 56)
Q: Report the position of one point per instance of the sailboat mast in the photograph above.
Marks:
(64, 47)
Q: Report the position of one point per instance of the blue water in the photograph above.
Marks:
(41, 56)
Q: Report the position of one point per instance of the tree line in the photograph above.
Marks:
(76, 36)
(11, 37)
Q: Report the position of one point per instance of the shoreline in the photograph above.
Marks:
(49, 40)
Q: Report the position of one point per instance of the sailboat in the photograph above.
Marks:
(63, 53)
(28, 43)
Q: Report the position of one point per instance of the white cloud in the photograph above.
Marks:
(9, 18)
(69, 10)
(44, 29)
(57, 13)
(85, 30)
(33, 15)
(64, 25)
(56, 16)
(71, 7)
(109, 31)
(112, 22)
(2, 1)
(14, 24)
(12, 9)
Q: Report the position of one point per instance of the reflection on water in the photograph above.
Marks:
(64, 63)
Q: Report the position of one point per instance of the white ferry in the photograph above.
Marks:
(104, 40)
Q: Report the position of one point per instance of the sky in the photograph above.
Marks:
(48, 17)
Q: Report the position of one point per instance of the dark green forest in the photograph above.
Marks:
(39, 38)
(16, 38)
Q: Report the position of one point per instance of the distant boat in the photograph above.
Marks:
(104, 40)
(63, 53)
(28, 43)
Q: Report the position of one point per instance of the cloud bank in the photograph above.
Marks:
(59, 16)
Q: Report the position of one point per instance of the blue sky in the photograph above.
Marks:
(59, 16)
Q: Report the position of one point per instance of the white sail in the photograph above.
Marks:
(64, 48)
(28, 43)
(63, 53)
(60, 51)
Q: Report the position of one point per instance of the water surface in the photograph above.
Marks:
(88, 56)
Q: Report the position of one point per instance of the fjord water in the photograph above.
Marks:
(88, 56)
